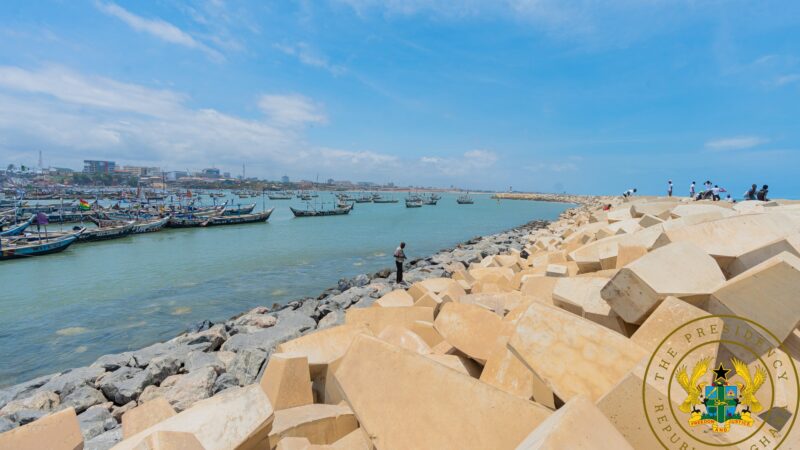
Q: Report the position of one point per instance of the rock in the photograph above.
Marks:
(360, 280)
(308, 307)
(552, 342)
(223, 382)
(123, 385)
(323, 347)
(332, 319)
(73, 378)
(181, 391)
(198, 360)
(320, 424)
(45, 401)
(287, 381)
(239, 418)
(6, 424)
(343, 285)
(58, 431)
(351, 296)
(83, 397)
(118, 411)
(161, 367)
(390, 389)
(289, 326)
(246, 365)
(96, 421)
(365, 302)
(104, 441)
(22, 390)
(200, 326)
(177, 349)
(213, 337)
(26, 416)
(115, 361)
(376, 319)
(145, 416)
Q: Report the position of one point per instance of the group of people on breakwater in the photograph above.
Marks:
(712, 192)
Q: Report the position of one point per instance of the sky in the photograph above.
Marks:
(582, 96)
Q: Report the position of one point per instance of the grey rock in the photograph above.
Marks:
(343, 285)
(161, 367)
(353, 295)
(213, 336)
(308, 307)
(104, 441)
(143, 356)
(118, 411)
(6, 424)
(224, 381)
(96, 421)
(74, 378)
(251, 323)
(331, 319)
(198, 360)
(365, 302)
(361, 280)
(114, 361)
(181, 391)
(200, 326)
(290, 325)
(26, 416)
(123, 385)
(46, 401)
(246, 365)
(23, 390)
(83, 397)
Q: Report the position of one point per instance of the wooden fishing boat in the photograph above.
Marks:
(429, 201)
(187, 221)
(107, 233)
(319, 213)
(465, 200)
(18, 228)
(385, 200)
(241, 218)
(237, 210)
(280, 196)
(413, 203)
(150, 226)
(24, 249)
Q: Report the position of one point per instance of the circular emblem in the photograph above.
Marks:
(720, 381)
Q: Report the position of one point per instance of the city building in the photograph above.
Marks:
(138, 171)
(284, 179)
(210, 173)
(176, 175)
(96, 167)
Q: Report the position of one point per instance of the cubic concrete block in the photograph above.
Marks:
(671, 314)
(293, 443)
(427, 332)
(766, 294)
(680, 269)
(287, 381)
(432, 300)
(506, 372)
(500, 303)
(322, 347)
(145, 416)
(238, 418)
(355, 440)
(556, 270)
(572, 355)
(404, 400)
(748, 260)
(491, 272)
(588, 256)
(459, 363)
(57, 431)
(320, 424)
(170, 440)
(405, 338)
(581, 296)
(376, 319)
(539, 287)
(397, 297)
(437, 286)
(701, 208)
(627, 254)
(648, 221)
(579, 424)
(469, 328)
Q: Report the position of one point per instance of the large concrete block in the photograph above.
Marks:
(579, 424)
(437, 286)
(539, 287)
(766, 294)
(145, 416)
(404, 400)
(405, 338)
(459, 363)
(427, 332)
(680, 269)
(505, 371)
(320, 424)
(588, 257)
(397, 297)
(376, 319)
(627, 254)
(748, 260)
(57, 431)
(287, 381)
(355, 440)
(581, 296)
(670, 315)
(170, 440)
(432, 300)
(701, 208)
(500, 303)
(237, 418)
(572, 355)
(471, 329)
(322, 347)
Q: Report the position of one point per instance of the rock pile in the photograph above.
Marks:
(535, 338)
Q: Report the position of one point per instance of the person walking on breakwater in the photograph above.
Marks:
(669, 188)
(399, 257)
(629, 192)
(691, 190)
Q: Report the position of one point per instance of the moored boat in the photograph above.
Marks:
(241, 218)
(465, 200)
(324, 212)
(107, 233)
(27, 248)
(18, 228)
(187, 221)
(237, 210)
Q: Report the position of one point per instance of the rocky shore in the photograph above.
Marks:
(212, 357)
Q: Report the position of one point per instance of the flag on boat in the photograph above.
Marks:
(84, 205)
(41, 218)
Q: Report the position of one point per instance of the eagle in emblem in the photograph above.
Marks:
(691, 385)
(751, 385)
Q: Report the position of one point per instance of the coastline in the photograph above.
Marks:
(212, 357)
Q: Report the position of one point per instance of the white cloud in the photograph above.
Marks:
(291, 110)
(468, 163)
(787, 79)
(558, 167)
(735, 143)
(158, 28)
(306, 55)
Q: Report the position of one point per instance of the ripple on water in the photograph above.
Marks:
(358, 263)
(379, 254)
(71, 331)
(278, 292)
(81, 349)
(181, 310)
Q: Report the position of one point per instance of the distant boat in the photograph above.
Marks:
(280, 196)
(17, 229)
(324, 212)
(26, 248)
(237, 210)
(364, 199)
(241, 218)
(413, 203)
(187, 221)
(465, 200)
(107, 233)
(150, 226)
(380, 199)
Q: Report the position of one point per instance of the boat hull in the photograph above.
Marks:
(26, 251)
(240, 219)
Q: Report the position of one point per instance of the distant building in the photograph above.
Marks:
(284, 179)
(138, 171)
(210, 173)
(176, 175)
(390, 184)
(93, 167)
(61, 171)
(226, 175)
(330, 181)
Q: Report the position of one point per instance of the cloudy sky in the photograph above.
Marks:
(577, 95)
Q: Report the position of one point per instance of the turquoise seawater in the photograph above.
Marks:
(65, 310)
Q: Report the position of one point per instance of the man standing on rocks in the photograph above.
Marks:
(669, 188)
(399, 257)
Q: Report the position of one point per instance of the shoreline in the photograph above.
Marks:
(211, 357)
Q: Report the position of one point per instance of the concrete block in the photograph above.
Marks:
(293, 443)
(471, 329)
(459, 363)
(57, 431)
(667, 317)
(145, 416)
(322, 347)
(556, 270)
(170, 440)
(287, 381)
(397, 297)
(627, 254)
(748, 260)
(581, 296)
(404, 400)
(320, 424)
(376, 319)
(405, 338)
(427, 332)
(648, 221)
(432, 300)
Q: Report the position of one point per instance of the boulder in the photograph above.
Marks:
(287, 381)
(681, 269)
(95, 421)
(58, 431)
(405, 400)
(238, 418)
(211, 338)
(320, 424)
(145, 416)
(471, 329)
(553, 343)
(376, 319)
(198, 360)
(324, 346)
(104, 441)
(332, 319)
(246, 365)
(181, 391)
(73, 378)
(290, 325)
(223, 382)
(22, 390)
(579, 424)
(405, 338)
(114, 361)
(45, 401)
(123, 385)
(81, 398)
(161, 367)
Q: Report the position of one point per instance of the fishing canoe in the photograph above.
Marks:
(320, 213)
(37, 248)
(106, 233)
(237, 210)
(17, 229)
(187, 222)
(241, 218)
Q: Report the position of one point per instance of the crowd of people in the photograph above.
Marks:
(711, 191)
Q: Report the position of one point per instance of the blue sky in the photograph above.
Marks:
(575, 95)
